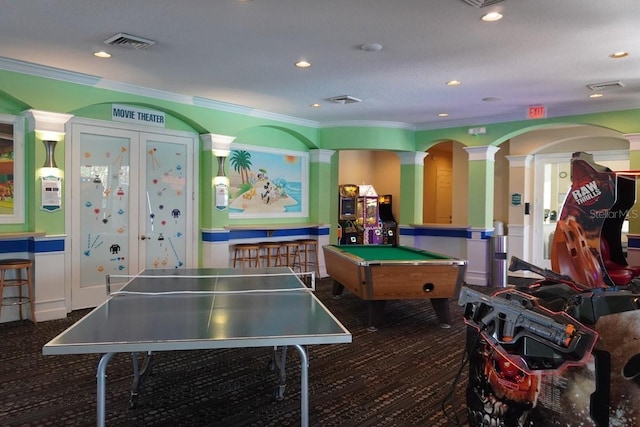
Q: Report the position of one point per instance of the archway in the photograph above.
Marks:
(547, 178)
(445, 184)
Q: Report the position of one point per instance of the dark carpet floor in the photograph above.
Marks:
(397, 376)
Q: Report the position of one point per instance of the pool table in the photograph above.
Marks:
(378, 273)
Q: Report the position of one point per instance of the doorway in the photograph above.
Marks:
(131, 204)
(443, 195)
(551, 184)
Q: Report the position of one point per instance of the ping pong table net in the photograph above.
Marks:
(212, 284)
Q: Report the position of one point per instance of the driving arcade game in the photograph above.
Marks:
(564, 350)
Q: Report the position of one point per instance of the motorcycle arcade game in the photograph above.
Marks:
(564, 350)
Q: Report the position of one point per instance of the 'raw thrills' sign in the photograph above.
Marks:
(586, 194)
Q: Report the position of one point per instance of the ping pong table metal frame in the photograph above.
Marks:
(101, 380)
(338, 335)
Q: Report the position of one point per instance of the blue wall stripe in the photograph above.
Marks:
(40, 246)
(31, 246)
(443, 232)
(226, 235)
(209, 236)
(18, 245)
(633, 242)
(440, 232)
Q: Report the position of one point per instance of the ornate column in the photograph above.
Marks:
(214, 203)
(53, 288)
(323, 202)
(481, 179)
(411, 194)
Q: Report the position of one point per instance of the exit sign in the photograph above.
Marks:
(537, 112)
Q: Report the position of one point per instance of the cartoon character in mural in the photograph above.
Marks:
(271, 193)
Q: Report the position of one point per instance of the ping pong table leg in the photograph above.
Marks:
(304, 386)
(279, 363)
(138, 376)
(101, 384)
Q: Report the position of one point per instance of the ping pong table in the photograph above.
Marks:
(203, 308)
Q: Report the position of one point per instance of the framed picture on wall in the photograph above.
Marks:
(11, 170)
(268, 183)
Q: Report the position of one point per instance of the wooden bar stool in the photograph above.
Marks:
(17, 265)
(308, 253)
(289, 255)
(248, 254)
(270, 254)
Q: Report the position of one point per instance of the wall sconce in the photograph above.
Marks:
(50, 160)
(221, 186)
(50, 175)
(221, 166)
(220, 147)
(49, 168)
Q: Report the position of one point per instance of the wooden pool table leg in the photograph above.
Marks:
(376, 313)
(441, 307)
(337, 290)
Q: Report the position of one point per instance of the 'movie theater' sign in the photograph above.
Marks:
(129, 114)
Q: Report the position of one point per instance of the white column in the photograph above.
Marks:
(52, 285)
(481, 229)
(633, 239)
(519, 243)
(215, 253)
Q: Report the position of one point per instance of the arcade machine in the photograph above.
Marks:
(349, 231)
(590, 223)
(564, 350)
(389, 224)
(368, 216)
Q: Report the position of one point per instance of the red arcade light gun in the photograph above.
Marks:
(529, 335)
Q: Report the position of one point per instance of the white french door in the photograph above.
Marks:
(131, 206)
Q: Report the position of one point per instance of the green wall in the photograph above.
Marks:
(83, 97)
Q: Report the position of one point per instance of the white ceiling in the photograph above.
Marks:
(243, 53)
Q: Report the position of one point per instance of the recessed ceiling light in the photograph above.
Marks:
(303, 64)
(443, 114)
(454, 83)
(596, 95)
(102, 54)
(315, 105)
(492, 17)
(617, 55)
(371, 47)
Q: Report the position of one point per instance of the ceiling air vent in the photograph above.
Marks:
(606, 85)
(345, 99)
(127, 40)
(482, 3)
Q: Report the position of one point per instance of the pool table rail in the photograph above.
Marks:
(402, 279)
(429, 276)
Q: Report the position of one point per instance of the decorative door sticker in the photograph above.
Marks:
(166, 201)
(104, 184)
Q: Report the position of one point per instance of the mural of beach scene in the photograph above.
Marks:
(267, 184)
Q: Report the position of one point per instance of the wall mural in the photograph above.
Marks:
(6, 169)
(268, 184)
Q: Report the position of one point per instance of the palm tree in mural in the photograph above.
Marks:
(241, 162)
